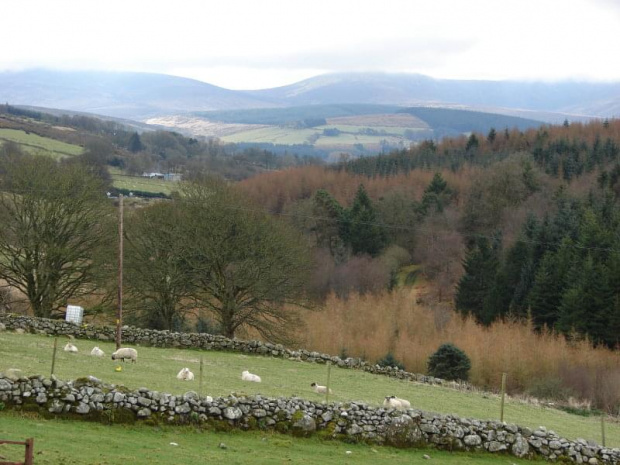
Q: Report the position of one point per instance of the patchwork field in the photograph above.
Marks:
(38, 145)
(67, 442)
(157, 369)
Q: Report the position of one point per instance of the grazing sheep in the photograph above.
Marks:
(185, 375)
(247, 376)
(396, 403)
(125, 352)
(97, 352)
(70, 348)
(320, 389)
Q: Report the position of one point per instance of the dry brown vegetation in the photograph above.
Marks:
(400, 322)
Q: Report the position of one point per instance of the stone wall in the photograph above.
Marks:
(92, 400)
(154, 338)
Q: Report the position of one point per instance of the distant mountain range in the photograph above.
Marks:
(140, 96)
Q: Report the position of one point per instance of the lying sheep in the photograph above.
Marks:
(97, 352)
(247, 376)
(320, 389)
(125, 352)
(396, 403)
(70, 348)
(185, 375)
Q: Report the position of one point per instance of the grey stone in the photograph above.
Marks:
(472, 440)
(305, 425)
(232, 413)
(82, 408)
(520, 448)
(144, 412)
(183, 408)
(496, 446)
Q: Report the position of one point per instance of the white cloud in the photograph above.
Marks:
(250, 44)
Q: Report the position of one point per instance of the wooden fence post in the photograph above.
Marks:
(54, 354)
(329, 371)
(501, 413)
(603, 427)
(29, 452)
(200, 379)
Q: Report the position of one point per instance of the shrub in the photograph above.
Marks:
(390, 361)
(449, 362)
(551, 388)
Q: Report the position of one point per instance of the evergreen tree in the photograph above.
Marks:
(436, 195)
(135, 144)
(330, 224)
(362, 230)
(474, 287)
(586, 305)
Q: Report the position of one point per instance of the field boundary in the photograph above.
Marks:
(90, 399)
(204, 341)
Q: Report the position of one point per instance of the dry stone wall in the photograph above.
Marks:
(93, 400)
(154, 338)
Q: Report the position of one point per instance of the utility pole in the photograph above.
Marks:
(119, 312)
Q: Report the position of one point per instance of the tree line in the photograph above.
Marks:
(208, 252)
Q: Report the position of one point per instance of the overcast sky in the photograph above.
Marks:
(250, 44)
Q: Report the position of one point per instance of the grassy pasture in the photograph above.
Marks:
(140, 183)
(349, 136)
(157, 369)
(395, 120)
(71, 442)
(273, 134)
(38, 145)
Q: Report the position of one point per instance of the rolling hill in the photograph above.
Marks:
(143, 95)
(577, 98)
(119, 94)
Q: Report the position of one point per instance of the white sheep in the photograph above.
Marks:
(396, 403)
(70, 348)
(97, 352)
(125, 352)
(185, 375)
(247, 376)
(320, 389)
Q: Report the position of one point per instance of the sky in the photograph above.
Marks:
(253, 44)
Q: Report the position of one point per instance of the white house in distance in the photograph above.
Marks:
(165, 177)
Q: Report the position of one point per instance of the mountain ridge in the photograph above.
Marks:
(139, 96)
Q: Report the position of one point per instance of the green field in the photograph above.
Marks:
(349, 135)
(79, 443)
(38, 145)
(157, 369)
(272, 135)
(140, 183)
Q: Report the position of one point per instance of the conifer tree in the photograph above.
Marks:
(362, 231)
(474, 287)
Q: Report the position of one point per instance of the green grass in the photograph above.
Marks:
(157, 369)
(290, 136)
(38, 145)
(140, 183)
(70, 442)
(273, 135)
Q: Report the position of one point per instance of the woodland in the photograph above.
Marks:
(505, 244)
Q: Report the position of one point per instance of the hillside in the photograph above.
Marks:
(354, 128)
(157, 368)
(577, 98)
(118, 94)
(143, 95)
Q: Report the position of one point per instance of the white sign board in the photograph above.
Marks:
(74, 314)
